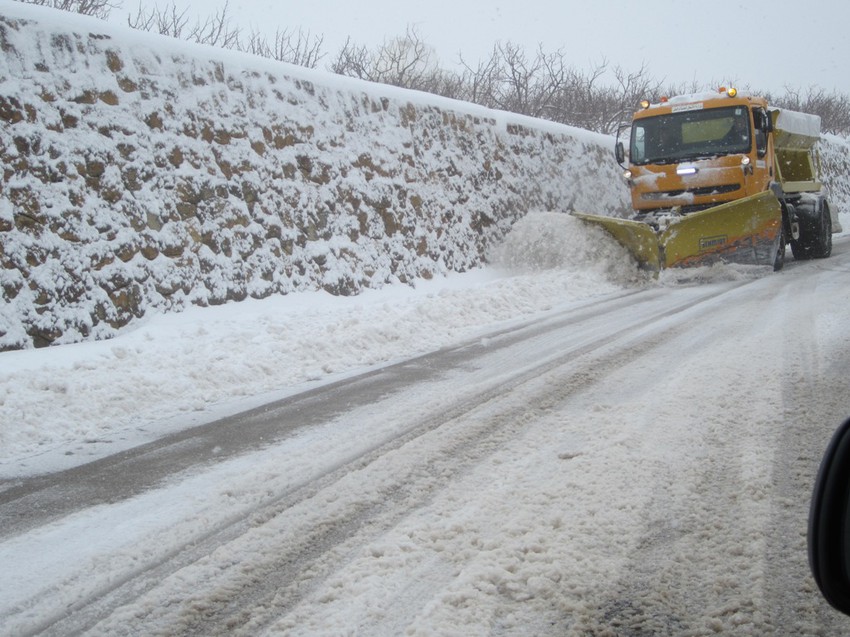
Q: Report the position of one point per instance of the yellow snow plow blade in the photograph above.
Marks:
(744, 231)
(637, 237)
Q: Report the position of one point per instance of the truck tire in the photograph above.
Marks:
(779, 258)
(800, 252)
(815, 240)
(823, 240)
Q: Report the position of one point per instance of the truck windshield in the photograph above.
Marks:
(690, 134)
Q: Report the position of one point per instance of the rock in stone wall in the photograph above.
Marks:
(140, 173)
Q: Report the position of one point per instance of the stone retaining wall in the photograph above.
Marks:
(140, 173)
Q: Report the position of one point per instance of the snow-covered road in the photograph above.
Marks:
(634, 460)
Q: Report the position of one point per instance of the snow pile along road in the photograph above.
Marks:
(63, 406)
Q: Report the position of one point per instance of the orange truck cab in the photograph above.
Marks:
(694, 152)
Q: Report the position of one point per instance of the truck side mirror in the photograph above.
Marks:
(829, 522)
(762, 121)
(761, 143)
(768, 127)
(620, 153)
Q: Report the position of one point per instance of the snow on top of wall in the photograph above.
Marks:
(53, 20)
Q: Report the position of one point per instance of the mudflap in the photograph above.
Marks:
(746, 231)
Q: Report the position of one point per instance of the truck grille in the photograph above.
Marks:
(706, 191)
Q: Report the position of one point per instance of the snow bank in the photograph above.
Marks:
(62, 406)
(834, 156)
(144, 173)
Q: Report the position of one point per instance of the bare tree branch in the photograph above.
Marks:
(95, 8)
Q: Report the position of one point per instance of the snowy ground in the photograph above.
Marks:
(597, 454)
(66, 405)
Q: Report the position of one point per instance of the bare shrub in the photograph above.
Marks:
(215, 30)
(404, 61)
(528, 85)
(95, 8)
(291, 46)
(546, 86)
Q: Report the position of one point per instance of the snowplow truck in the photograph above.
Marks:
(721, 177)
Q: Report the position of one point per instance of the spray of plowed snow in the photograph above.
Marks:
(550, 240)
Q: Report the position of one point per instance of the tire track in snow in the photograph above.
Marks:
(723, 548)
(311, 560)
(816, 400)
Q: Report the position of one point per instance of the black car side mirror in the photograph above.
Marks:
(829, 522)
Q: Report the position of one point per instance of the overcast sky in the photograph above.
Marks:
(746, 42)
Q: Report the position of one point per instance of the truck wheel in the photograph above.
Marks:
(822, 247)
(800, 248)
(779, 258)
(815, 240)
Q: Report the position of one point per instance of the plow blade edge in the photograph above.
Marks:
(746, 231)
